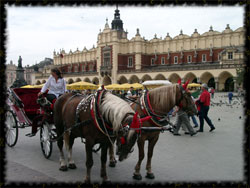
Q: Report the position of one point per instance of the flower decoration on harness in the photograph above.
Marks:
(136, 125)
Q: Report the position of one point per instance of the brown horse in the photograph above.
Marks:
(157, 103)
(114, 112)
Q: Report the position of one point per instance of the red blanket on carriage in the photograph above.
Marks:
(28, 97)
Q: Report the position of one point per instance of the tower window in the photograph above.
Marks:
(152, 61)
(106, 58)
(189, 59)
(163, 60)
(204, 58)
(230, 55)
(175, 59)
(130, 62)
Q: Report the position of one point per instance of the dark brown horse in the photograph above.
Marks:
(157, 103)
(76, 116)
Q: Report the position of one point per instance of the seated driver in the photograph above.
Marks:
(56, 85)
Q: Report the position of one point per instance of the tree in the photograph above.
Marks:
(240, 75)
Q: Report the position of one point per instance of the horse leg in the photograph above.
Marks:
(112, 161)
(151, 146)
(63, 166)
(70, 159)
(140, 143)
(89, 158)
(103, 162)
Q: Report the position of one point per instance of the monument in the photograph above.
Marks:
(19, 82)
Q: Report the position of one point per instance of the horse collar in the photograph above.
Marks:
(148, 111)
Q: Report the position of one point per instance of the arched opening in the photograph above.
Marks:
(229, 84)
(134, 79)
(191, 77)
(38, 82)
(205, 77)
(95, 81)
(70, 81)
(106, 80)
(195, 80)
(146, 77)
(211, 83)
(122, 80)
(174, 78)
(226, 82)
(160, 77)
(44, 81)
(87, 80)
(78, 80)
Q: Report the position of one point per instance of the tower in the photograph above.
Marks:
(117, 23)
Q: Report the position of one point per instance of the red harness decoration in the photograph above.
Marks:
(52, 105)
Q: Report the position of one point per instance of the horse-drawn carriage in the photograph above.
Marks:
(91, 117)
(24, 111)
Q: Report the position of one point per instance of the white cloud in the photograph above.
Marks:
(34, 32)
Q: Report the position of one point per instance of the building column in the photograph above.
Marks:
(198, 80)
(137, 61)
(216, 80)
(235, 84)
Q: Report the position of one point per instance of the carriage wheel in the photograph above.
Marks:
(45, 140)
(11, 128)
(96, 148)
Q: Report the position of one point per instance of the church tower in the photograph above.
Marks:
(117, 23)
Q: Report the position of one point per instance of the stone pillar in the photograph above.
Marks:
(137, 61)
(198, 80)
(216, 80)
(235, 85)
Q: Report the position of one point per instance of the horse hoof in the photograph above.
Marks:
(63, 168)
(150, 176)
(106, 182)
(137, 176)
(87, 181)
(72, 166)
(112, 163)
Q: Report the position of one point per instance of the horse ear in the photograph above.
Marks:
(179, 81)
(185, 85)
(145, 119)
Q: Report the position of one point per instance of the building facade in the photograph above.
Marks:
(211, 57)
(10, 74)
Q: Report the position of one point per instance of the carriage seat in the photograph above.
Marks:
(28, 96)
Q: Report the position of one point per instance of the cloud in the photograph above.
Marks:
(34, 32)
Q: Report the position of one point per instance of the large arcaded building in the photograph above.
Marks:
(211, 57)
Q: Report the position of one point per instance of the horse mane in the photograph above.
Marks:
(164, 98)
(114, 110)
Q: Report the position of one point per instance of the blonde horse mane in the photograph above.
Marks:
(164, 98)
(114, 110)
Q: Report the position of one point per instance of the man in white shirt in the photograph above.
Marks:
(131, 94)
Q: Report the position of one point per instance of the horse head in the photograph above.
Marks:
(186, 100)
(128, 135)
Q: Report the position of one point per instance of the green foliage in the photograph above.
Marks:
(240, 75)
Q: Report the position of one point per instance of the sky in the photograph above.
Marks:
(35, 32)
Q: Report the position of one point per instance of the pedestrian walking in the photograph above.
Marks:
(212, 92)
(204, 103)
(230, 97)
(182, 118)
